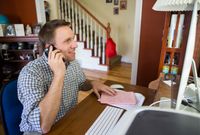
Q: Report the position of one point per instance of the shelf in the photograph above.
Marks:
(173, 49)
(20, 61)
(19, 39)
(21, 51)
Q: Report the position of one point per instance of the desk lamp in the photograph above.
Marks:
(183, 5)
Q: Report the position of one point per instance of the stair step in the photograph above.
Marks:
(114, 60)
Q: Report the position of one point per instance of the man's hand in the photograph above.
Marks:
(55, 61)
(100, 87)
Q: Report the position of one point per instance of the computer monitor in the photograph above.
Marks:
(156, 121)
(196, 81)
(188, 56)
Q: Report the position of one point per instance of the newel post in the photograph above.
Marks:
(108, 30)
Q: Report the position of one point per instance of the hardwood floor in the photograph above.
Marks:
(120, 73)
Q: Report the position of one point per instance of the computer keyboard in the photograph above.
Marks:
(105, 122)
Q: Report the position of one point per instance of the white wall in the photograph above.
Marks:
(53, 9)
(122, 25)
(136, 40)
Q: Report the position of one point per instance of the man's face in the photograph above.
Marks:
(64, 41)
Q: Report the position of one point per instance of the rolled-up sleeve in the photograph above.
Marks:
(80, 75)
(30, 93)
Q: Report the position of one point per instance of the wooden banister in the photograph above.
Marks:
(88, 12)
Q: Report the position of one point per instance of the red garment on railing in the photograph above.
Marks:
(110, 48)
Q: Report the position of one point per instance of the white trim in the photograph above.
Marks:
(41, 18)
(136, 40)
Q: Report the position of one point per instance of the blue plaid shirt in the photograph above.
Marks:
(33, 84)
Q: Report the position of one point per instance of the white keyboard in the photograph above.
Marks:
(105, 122)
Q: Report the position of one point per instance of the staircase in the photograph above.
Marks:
(91, 35)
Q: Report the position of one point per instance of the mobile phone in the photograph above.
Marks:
(54, 48)
(47, 50)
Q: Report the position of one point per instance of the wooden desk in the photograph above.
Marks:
(81, 117)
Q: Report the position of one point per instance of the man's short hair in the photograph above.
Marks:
(46, 34)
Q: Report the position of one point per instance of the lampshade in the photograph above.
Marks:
(175, 5)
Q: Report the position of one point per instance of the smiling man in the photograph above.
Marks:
(48, 86)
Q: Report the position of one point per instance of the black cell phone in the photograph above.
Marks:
(47, 50)
(47, 53)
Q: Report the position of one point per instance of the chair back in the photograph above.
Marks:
(11, 109)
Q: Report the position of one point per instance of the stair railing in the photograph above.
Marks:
(86, 26)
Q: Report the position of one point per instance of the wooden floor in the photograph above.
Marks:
(120, 73)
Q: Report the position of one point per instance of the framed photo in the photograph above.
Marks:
(36, 29)
(123, 4)
(19, 29)
(10, 30)
(2, 30)
(116, 2)
(108, 1)
(115, 10)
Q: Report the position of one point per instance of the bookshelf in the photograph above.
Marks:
(16, 52)
(174, 42)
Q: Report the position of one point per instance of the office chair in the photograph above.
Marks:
(11, 109)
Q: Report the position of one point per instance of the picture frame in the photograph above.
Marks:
(108, 1)
(19, 29)
(2, 30)
(10, 30)
(36, 29)
(116, 2)
(116, 10)
(123, 4)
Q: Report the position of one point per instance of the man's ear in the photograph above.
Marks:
(47, 45)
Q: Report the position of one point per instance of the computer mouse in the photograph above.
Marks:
(117, 86)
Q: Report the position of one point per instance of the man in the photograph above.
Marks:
(48, 86)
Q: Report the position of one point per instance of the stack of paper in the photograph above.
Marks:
(123, 99)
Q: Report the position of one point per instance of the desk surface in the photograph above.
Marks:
(82, 116)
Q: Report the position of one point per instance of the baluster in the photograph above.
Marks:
(59, 9)
(76, 18)
(101, 43)
(84, 32)
(91, 32)
(72, 12)
(99, 48)
(104, 46)
(87, 25)
(69, 10)
(95, 41)
(79, 23)
(65, 10)
(89, 37)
